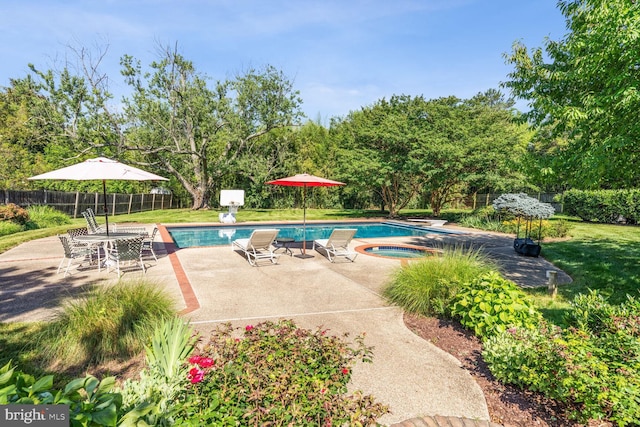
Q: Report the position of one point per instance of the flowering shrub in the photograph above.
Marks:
(593, 365)
(491, 304)
(14, 213)
(276, 374)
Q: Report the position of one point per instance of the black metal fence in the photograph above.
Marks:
(74, 203)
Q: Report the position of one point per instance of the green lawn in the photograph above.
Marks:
(601, 257)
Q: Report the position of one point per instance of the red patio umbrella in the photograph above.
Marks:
(305, 180)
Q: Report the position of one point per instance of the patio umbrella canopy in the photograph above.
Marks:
(102, 169)
(305, 180)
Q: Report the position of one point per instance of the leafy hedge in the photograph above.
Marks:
(606, 206)
(593, 365)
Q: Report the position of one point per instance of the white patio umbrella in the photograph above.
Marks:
(101, 169)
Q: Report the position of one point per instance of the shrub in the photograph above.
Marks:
(90, 401)
(46, 216)
(551, 229)
(490, 304)
(154, 398)
(8, 227)
(593, 365)
(110, 322)
(14, 213)
(428, 286)
(276, 374)
(605, 206)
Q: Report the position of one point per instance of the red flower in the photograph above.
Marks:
(194, 360)
(345, 371)
(195, 375)
(248, 328)
(206, 362)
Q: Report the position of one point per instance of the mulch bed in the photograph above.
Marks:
(508, 405)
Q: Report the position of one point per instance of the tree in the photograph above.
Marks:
(585, 88)
(407, 146)
(378, 146)
(197, 133)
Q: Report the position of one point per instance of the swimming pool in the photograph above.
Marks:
(186, 237)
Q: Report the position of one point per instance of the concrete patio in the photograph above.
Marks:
(212, 285)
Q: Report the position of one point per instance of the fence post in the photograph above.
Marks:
(95, 203)
(153, 201)
(130, 201)
(142, 202)
(113, 205)
(162, 202)
(76, 205)
(486, 203)
(6, 197)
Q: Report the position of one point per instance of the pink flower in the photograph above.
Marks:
(248, 328)
(195, 375)
(205, 362)
(194, 360)
(345, 371)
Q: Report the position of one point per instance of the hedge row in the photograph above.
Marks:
(606, 206)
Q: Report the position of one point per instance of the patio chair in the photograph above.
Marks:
(147, 243)
(92, 224)
(337, 244)
(74, 252)
(125, 251)
(258, 246)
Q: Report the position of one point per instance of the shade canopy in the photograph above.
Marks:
(305, 180)
(100, 168)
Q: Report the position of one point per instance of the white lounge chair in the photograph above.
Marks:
(258, 246)
(337, 244)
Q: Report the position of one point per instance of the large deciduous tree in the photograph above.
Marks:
(195, 132)
(408, 146)
(586, 88)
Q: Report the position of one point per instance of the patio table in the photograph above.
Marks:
(105, 240)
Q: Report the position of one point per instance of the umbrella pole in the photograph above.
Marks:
(304, 255)
(106, 211)
(304, 220)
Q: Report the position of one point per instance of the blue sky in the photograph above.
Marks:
(340, 54)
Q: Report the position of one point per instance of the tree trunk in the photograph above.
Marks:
(200, 198)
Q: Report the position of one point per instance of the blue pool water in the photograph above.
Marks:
(185, 237)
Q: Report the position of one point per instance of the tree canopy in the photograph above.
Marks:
(584, 89)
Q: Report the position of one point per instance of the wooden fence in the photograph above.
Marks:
(74, 203)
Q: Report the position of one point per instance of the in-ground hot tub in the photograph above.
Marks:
(398, 251)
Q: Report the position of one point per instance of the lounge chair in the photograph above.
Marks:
(92, 224)
(337, 244)
(258, 246)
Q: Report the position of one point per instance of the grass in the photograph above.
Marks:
(110, 323)
(598, 256)
(427, 286)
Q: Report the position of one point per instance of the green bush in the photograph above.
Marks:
(428, 286)
(593, 365)
(8, 227)
(110, 322)
(490, 304)
(46, 216)
(604, 206)
(14, 213)
(90, 401)
(276, 374)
